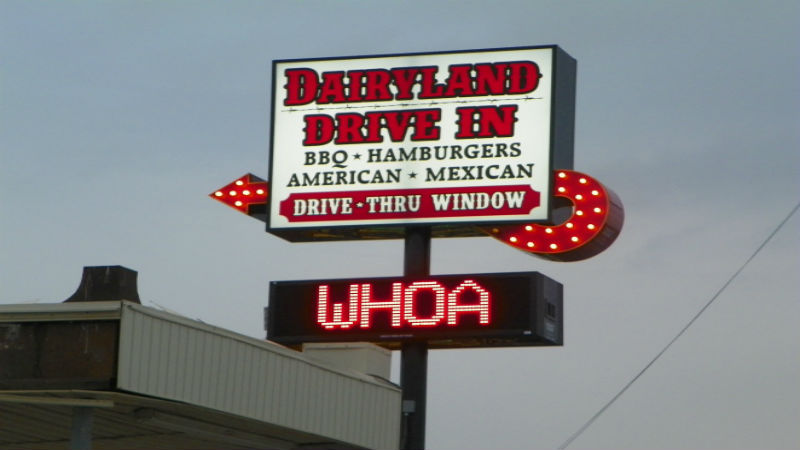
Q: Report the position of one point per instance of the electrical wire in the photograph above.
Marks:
(680, 333)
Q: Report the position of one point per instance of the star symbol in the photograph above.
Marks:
(359, 205)
(412, 175)
(357, 156)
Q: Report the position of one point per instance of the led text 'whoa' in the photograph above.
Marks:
(402, 306)
(448, 311)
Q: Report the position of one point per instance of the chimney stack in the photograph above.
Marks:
(103, 283)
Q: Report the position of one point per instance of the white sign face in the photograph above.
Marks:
(412, 139)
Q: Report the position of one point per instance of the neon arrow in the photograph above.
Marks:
(247, 194)
(595, 222)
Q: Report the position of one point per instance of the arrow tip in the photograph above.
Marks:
(247, 194)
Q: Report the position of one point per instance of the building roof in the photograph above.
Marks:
(160, 380)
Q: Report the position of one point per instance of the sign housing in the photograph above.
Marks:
(364, 146)
(446, 311)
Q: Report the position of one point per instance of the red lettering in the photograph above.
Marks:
(319, 129)
(304, 85)
(490, 79)
(466, 123)
(377, 88)
(354, 128)
(439, 293)
(460, 82)
(523, 77)
(374, 127)
(429, 87)
(338, 321)
(404, 79)
(425, 128)
(301, 86)
(491, 121)
(482, 307)
(403, 306)
(368, 304)
(397, 122)
(497, 121)
(355, 86)
(332, 88)
(348, 126)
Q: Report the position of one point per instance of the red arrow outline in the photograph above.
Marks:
(246, 194)
(595, 223)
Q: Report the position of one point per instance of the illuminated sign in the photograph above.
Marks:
(447, 311)
(594, 223)
(437, 139)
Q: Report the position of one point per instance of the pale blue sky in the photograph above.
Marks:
(117, 118)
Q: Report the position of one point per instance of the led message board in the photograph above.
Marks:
(447, 311)
(441, 139)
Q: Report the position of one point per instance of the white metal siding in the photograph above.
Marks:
(175, 358)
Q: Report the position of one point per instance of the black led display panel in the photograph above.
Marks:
(447, 311)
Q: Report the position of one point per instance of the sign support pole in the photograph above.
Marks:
(82, 418)
(414, 355)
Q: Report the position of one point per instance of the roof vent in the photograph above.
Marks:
(102, 283)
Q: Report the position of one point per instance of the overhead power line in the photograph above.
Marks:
(591, 420)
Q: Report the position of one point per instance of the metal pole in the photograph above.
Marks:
(414, 355)
(81, 428)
